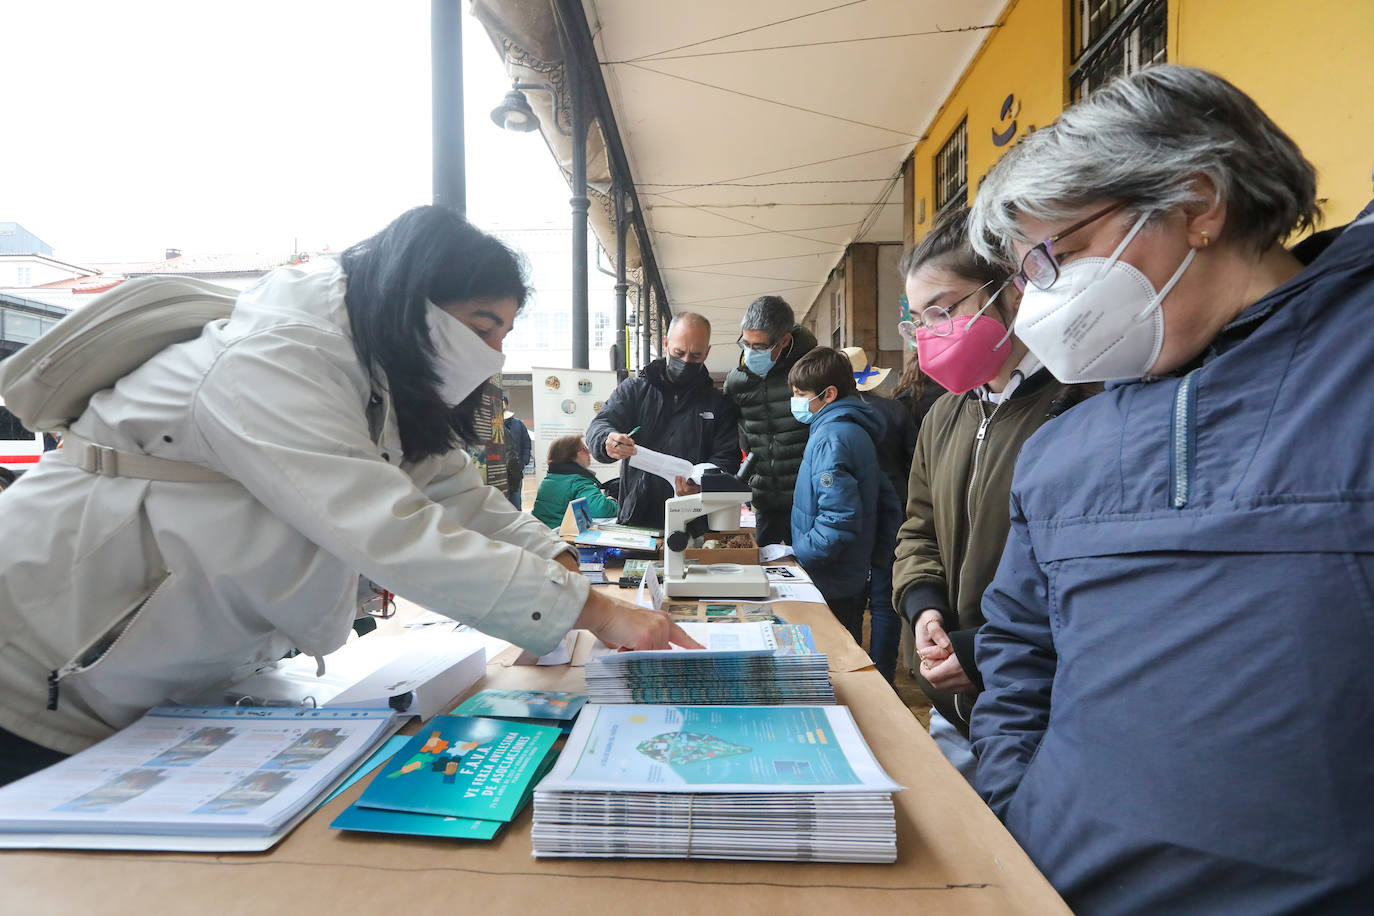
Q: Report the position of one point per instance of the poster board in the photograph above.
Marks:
(565, 403)
(488, 452)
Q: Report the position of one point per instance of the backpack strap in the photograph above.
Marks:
(110, 462)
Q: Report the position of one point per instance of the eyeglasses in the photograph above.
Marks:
(755, 348)
(939, 320)
(1039, 267)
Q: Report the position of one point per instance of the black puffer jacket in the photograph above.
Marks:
(767, 427)
(693, 421)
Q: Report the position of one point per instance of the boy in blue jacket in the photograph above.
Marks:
(845, 513)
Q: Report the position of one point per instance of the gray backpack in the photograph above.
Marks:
(48, 383)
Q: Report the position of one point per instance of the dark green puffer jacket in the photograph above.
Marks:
(767, 427)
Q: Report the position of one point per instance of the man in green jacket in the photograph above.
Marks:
(771, 341)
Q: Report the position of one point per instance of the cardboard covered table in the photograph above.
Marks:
(953, 854)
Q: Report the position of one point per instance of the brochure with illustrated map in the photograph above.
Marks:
(642, 748)
(463, 766)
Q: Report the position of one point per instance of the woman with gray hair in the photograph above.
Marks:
(1182, 542)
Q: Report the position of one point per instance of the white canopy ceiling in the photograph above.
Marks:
(765, 136)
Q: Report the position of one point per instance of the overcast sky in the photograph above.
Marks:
(139, 125)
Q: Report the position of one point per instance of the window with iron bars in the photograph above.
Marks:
(951, 169)
(1115, 37)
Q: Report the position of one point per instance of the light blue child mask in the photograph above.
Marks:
(801, 408)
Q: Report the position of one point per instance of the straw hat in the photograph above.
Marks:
(866, 375)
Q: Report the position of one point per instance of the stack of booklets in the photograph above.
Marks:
(192, 778)
(745, 663)
(460, 776)
(719, 782)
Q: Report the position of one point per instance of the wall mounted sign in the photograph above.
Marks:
(1011, 107)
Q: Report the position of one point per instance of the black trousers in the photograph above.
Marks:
(772, 527)
(19, 757)
(849, 611)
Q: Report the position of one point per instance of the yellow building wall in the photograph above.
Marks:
(1026, 56)
(1309, 65)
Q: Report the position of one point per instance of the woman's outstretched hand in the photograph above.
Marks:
(623, 625)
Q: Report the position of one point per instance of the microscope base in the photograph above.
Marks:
(719, 580)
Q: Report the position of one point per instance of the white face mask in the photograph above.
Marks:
(462, 359)
(1100, 320)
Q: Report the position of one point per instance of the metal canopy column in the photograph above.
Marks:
(446, 76)
(578, 102)
(622, 286)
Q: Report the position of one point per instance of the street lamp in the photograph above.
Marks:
(514, 112)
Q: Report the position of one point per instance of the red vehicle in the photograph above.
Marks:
(20, 448)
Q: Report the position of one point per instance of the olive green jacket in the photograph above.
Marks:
(957, 511)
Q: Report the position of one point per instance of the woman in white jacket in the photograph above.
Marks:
(332, 402)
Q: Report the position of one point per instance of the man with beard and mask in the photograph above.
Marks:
(313, 435)
(676, 409)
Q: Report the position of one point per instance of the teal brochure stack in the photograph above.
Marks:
(552, 708)
(743, 663)
(193, 778)
(458, 777)
(717, 782)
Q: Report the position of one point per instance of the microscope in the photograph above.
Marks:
(715, 508)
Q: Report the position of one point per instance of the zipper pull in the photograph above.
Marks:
(983, 428)
(53, 678)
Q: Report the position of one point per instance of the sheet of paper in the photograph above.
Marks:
(784, 591)
(794, 575)
(757, 638)
(770, 552)
(655, 587)
(561, 654)
(669, 467)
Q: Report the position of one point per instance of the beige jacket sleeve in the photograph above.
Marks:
(283, 413)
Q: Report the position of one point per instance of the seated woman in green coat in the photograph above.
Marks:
(569, 477)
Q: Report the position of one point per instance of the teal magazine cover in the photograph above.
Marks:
(460, 766)
(523, 704)
(380, 820)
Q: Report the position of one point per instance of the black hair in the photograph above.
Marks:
(947, 246)
(428, 253)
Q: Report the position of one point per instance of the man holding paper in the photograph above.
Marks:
(672, 408)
